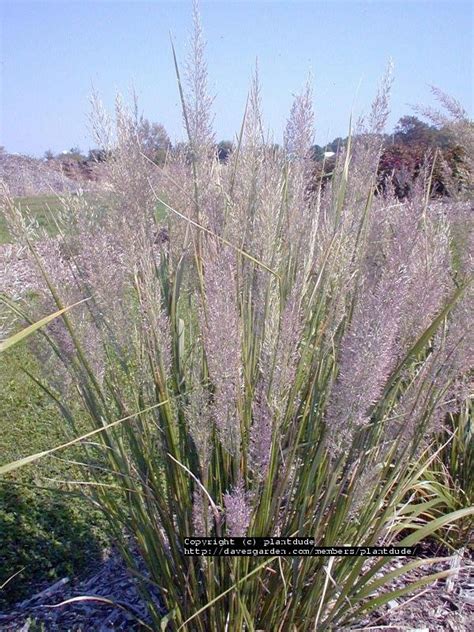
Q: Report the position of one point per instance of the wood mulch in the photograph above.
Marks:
(111, 582)
(447, 605)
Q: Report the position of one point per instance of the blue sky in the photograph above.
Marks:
(51, 53)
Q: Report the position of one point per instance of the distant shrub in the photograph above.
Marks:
(224, 149)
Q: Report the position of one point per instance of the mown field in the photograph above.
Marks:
(39, 207)
(42, 209)
(47, 531)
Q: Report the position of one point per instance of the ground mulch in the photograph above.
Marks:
(109, 581)
(445, 605)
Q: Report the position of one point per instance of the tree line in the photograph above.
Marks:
(412, 144)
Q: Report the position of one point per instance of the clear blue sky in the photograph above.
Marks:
(52, 52)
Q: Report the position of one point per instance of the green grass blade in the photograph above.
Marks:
(28, 331)
(9, 467)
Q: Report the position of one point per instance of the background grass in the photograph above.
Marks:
(49, 533)
(40, 207)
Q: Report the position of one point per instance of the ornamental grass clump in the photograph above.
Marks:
(269, 360)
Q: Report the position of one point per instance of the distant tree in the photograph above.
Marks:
(97, 155)
(322, 171)
(457, 169)
(317, 152)
(154, 140)
(48, 155)
(336, 145)
(183, 149)
(411, 131)
(400, 164)
(73, 154)
(224, 149)
(412, 145)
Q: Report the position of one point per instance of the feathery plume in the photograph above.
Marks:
(238, 511)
